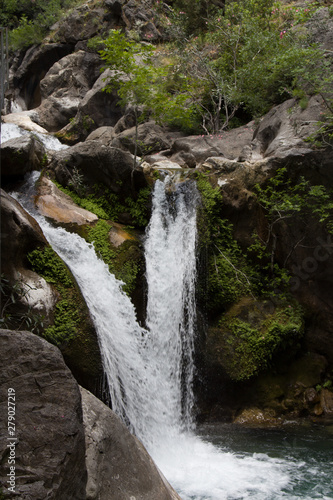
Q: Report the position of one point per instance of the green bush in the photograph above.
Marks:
(30, 21)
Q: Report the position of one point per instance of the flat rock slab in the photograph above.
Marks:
(53, 203)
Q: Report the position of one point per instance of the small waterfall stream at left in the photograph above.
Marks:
(148, 368)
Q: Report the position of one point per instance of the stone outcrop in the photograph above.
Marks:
(64, 86)
(53, 203)
(118, 465)
(26, 74)
(19, 156)
(49, 448)
(99, 164)
(20, 234)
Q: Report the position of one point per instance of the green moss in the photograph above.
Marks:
(107, 205)
(250, 341)
(99, 236)
(139, 208)
(230, 275)
(66, 320)
(68, 310)
(123, 262)
(49, 265)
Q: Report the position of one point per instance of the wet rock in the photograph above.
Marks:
(118, 464)
(255, 417)
(19, 156)
(53, 203)
(20, 234)
(326, 401)
(50, 446)
(25, 121)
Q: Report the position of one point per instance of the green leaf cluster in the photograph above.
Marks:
(140, 80)
(248, 58)
(29, 21)
(284, 198)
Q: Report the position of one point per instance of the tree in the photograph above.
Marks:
(141, 82)
(247, 60)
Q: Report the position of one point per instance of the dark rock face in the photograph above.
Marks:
(99, 164)
(118, 465)
(50, 447)
(64, 86)
(20, 234)
(19, 156)
(36, 62)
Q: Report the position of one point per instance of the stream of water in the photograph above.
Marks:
(150, 369)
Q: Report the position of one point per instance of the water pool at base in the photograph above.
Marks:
(235, 463)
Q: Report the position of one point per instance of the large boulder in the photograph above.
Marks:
(101, 106)
(151, 138)
(283, 131)
(96, 109)
(118, 465)
(27, 73)
(19, 156)
(82, 24)
(97, 163)
(20, 234)
(64, 86)
(228, 144)
(43, 452)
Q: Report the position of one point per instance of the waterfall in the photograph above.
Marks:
(170, 252)
(150, 369)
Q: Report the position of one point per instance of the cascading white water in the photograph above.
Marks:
(170, 252)
(147, 368)
(12, 131)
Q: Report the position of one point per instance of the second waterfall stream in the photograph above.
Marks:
(150, 369)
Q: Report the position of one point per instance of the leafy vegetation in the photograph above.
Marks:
(30, 21)
(230, 276)
(67, 316)
(250, 343)
(140, 82)
(123, 262)
(287, 202)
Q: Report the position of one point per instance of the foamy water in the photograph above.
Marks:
(12, 131)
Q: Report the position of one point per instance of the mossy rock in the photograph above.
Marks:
(72, 330)
(251, 334)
